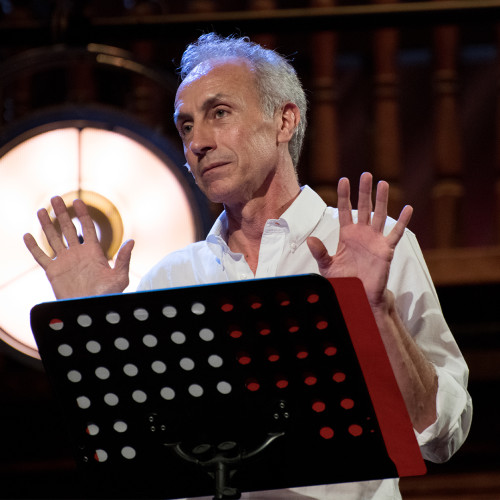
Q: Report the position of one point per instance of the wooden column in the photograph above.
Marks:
(387, 132)
(265, 39)
(146, 100)
(448, 189)
(324, 147)
(497, 159)
(201, 6)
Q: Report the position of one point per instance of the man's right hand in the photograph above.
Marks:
(78, 269)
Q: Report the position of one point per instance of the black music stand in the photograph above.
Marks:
(217, 389)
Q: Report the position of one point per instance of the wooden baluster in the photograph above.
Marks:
(387, 135)
(199, 6)
(264, 39)
(146, 100)
(497, 183)
(323, 170)
(448, 189)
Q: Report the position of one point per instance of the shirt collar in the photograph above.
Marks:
(302, 216)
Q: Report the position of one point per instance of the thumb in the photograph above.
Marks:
(122, 262)
(319, 252)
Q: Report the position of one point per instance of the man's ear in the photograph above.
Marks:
(289, 117)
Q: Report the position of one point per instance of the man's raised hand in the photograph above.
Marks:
(78, 269)
(363, 250)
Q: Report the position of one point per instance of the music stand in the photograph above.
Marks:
(216, 389)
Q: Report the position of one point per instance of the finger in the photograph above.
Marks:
(365, 198)
(38, 254)
(344, 202)
(88, 227)
(53, 236)
(319, 252)
(402, 223)
(380, 213)
(66, 224)
(122, 262)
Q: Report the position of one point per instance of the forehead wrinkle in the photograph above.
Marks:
(207, 104)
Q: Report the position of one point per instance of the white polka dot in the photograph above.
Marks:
(128, 452)
(74, 376)
(83, 402)
(150, 340)
(224, 387)
(198, 308)
(186, 364)
(206, 334)
(84, 320)
(93, 346)
(65, 350)
(111, 399)
(158, 366)
(56, 324)
(215, 361)
(195, 390)
(139, 396)
(167, 393)
(130, 370)
(120, 426)
(92, 429)
(102, 373)
(101, 455)
(113, 317)
(121, 343)
(178, 338)
(169, 311)
(141, 314)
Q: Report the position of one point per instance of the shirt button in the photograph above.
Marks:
(243, 276)
(293, 246)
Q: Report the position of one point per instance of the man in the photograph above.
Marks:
(240, 112)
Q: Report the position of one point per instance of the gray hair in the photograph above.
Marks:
(277, 81)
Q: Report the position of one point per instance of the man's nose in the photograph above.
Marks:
(202, 140)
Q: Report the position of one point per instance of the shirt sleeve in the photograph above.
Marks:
(419, 308)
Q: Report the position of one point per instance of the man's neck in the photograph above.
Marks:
(246, 223)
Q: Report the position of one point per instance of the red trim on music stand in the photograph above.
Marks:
(388, 403)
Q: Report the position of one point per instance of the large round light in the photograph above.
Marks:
(132, 188)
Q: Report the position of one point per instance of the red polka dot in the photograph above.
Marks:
(235, 334)
(227, 307)
(326, 432)
(244, 359)
(355, 430)
(330, 351)
(318, 406)
(322, 325)
(281, 383)
(313, 298)
(339, 377)
(252, 385)
(310, 380)
(347, 403)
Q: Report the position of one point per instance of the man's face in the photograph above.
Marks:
(230, 145)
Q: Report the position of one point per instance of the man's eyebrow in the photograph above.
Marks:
(207, 104)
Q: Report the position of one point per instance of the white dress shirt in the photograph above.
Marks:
(284, 251)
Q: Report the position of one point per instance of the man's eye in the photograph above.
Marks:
(186, 129)
(220, 113)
